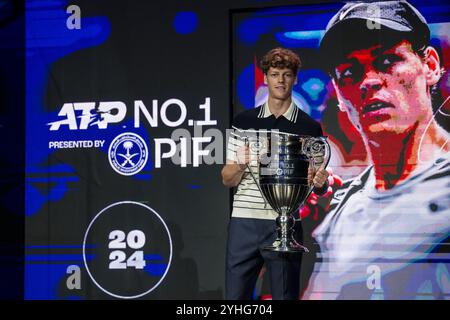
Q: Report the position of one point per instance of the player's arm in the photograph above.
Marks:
(232, 174)
(233, 171)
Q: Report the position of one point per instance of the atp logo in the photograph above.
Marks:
(128, 154)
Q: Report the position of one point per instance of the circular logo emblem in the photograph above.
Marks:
(127, 250)
(255, 146)
(128, 154)
(279, 171)
(258, 145)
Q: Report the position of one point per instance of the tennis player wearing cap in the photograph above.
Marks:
(385, 231)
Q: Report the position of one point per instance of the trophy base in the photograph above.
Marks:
(289, 247)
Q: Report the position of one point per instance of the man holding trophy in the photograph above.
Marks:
(276, 156)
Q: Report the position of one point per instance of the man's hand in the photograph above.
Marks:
(321, 177)
(233, 172)
(243, 157)
(317, 206)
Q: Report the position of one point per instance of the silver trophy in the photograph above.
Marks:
(286, 169)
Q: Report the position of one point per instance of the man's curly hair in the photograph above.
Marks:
(280, 58)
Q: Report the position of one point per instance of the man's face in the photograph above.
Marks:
(280, 82)
(383, 89)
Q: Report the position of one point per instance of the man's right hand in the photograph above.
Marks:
(232, 172)
(243, 157)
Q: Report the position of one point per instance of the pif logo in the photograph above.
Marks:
(128, 154)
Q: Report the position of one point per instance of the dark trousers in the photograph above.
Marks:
(246, 257)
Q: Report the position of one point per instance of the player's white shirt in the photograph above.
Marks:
(381, 245)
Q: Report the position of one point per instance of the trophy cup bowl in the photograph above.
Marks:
(285, 180)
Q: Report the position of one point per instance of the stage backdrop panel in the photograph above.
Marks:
(120, 202)
(127, 104)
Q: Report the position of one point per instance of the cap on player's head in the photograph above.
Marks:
(360, 25)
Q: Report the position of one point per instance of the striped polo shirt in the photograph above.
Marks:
(255, 125)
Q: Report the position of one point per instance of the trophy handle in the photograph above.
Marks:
(246, 142)
(318, 151)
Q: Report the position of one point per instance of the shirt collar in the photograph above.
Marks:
(290, 114)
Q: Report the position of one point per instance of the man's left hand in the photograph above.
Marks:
(321, 177)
